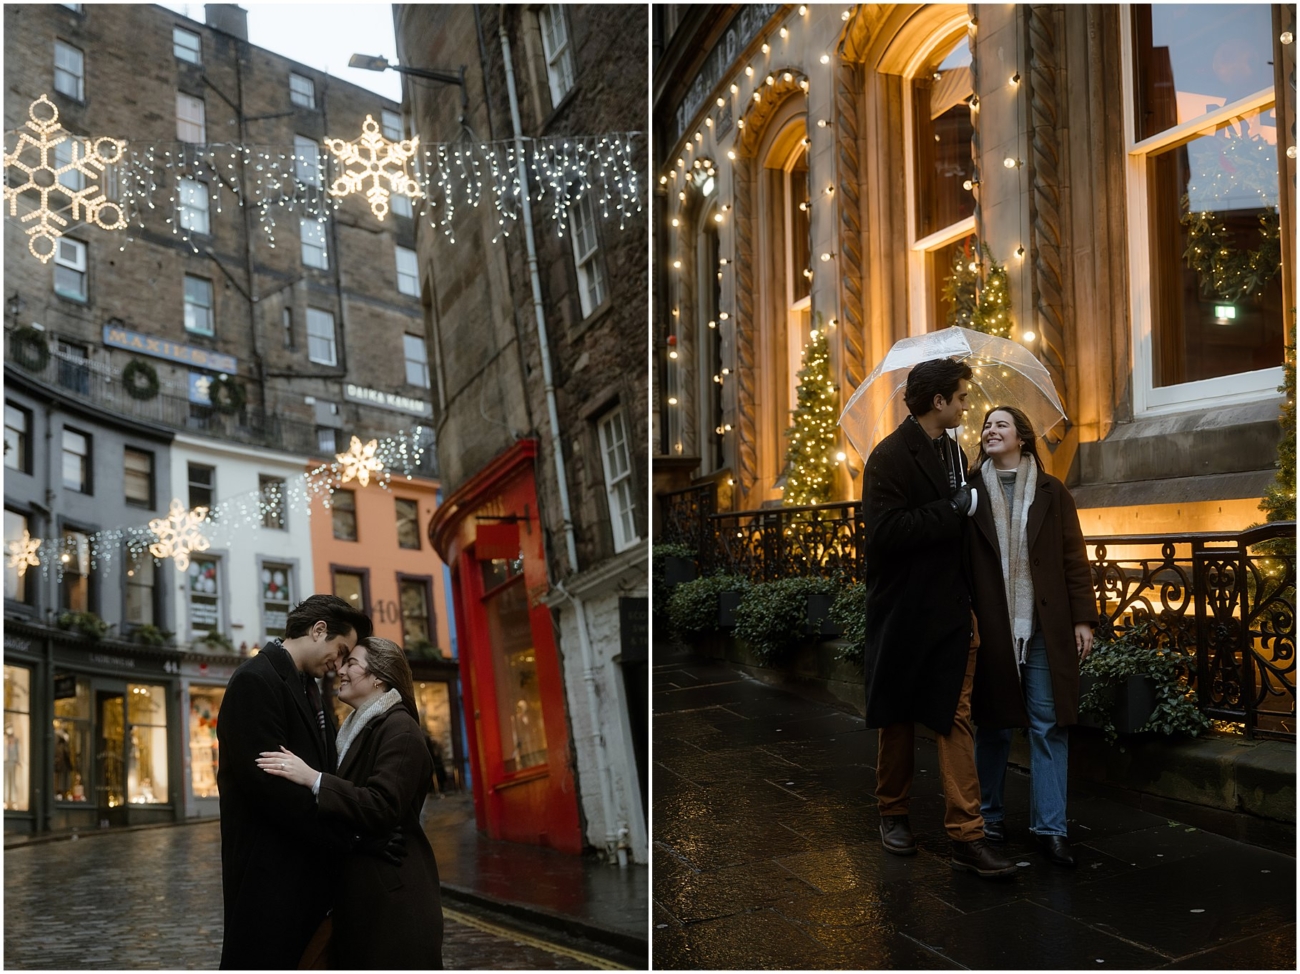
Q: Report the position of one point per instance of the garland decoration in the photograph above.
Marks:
(30, 348)
(140, 379)
(986, 309)
(1279, 496)
(227, 395)
(1224, 272)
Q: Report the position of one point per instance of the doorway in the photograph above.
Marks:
(110, 758)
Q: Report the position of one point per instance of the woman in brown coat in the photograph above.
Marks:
(391, 915)
(1032, 593)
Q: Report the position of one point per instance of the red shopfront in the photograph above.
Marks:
(490, 535)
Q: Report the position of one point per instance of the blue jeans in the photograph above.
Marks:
(1049, 752)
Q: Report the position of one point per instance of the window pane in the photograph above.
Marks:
(194, 205)
(326, 440)
(186, 45)
(519, 700)
(190, 123)
(202, 484)
(205, 595)
(75, 563)
(408, 273)
(320, 336)
(302, 91)
(69, 71)
(273, 490)
(17, 431)
(314, 253)
(140, 570)
(71, 738)
(408, 523)
(350, 586)
(146, 768)
(18, 738)
(414, 598)
(76, 449)
(417, 367)
(16, 585)
(942, 123)
(343, 505)
(1215, 254)
(1194, 58)
(306, 160)
(392, 125)
(277, 596)
(205, 705)
(70, 269)
(138, 477)
(400, 204)
(198, 305)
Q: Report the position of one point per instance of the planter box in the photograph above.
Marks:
(678, 570)
(1134, 702)
(728, 602)
(819, 623)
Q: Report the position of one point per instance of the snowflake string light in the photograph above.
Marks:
(382, 163)
(359, 461)
(178, 534)
(22, 554)
(43, 174)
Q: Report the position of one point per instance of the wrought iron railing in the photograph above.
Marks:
(1224, 602)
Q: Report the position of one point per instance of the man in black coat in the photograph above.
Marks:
(275, 853)
(920, 655)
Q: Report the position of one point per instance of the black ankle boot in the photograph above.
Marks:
(896, 835)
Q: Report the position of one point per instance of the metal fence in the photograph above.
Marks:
(1223, 602)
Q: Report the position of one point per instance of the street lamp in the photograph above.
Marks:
(369, 62)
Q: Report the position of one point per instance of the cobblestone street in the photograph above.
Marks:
(152, 899)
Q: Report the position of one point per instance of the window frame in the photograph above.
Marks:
(199, 191)
(385, 116)
(200, 121)
(28, 591)
(333, 359)
(361, 573)
(177, 31)
(87, 461)
(24, 444)
(151, 499)
(303, 223)
(272, 563)
(81, 268)
(155, 590)
(79, 77)
(263, 481)
(411, 273)
(91, 577)
(306, 160)
(190, 484)
(621, 542)
(1149, 399)
(302, 98)
(587, 264)
(334, 509)
(221, 595)
(560, 75)
(425, 582)
(397, 520)
(210, 307)
(423, 362)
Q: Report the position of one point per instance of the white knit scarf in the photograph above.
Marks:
(358, 719)
(1013, 542)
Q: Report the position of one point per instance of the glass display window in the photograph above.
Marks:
(71, 738)
(18, 738)
(277, 595)
(514, 662)
(146, 768)
(205, 703)
(417, 620)
(205, 594)
(433, 701)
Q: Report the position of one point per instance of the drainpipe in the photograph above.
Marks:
(552, 415)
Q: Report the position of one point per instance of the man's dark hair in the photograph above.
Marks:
(937, 377)
(337, 614)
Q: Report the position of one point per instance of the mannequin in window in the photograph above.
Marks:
(62, 764)
(13, 760)
(529, 736)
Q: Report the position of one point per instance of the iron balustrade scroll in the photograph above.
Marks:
(1222, 602)
(685, 515)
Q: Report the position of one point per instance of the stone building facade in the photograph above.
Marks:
(568, 648)
(248, 343)
(841, 167)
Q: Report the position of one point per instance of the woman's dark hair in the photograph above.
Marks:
(1024, 430)
(937, 377)
(387, 660)
(337, 614)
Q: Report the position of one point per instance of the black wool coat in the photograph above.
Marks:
(1063, 596)
(390, 917)
(918, 602)
(275, 851)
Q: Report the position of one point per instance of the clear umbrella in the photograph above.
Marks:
(1006, 374)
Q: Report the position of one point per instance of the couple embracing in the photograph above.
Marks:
(321, 844)
(980, 609)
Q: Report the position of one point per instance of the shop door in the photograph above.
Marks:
(110, 758)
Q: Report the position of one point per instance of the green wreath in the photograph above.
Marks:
(30, 348)
(1223, 271)
(140, 379)
(227, 395)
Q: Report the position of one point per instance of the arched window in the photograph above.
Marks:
(941, 215)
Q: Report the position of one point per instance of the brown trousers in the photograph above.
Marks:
(896, 760)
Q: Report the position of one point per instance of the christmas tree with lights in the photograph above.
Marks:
(993, 316)
(1279, 496)
(960, 290)
(811, 456)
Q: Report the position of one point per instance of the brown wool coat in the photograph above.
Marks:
(386, 917)
(1063, 596)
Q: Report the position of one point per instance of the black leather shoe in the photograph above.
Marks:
(896, 835)
(978, 858)
(995, 831)
(1057, 849)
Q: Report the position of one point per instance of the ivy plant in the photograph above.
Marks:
(150, 635)
(659, 556)
(772, 616)
(693, 606)
(1112, 662)
(849, 612)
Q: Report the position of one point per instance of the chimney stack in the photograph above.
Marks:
(229, 18)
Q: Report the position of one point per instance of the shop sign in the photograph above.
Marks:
(74, 655)
(497, 541)
(387, 400)
(203, 614)
(17, 644)
(744, 27)
(65, 686)
(134, 341)
(634, 629)
(200, 389)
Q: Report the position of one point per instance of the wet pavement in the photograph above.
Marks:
(151, 899)
(767, 855)
(580, 895)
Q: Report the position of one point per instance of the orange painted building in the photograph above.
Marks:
(370, 545)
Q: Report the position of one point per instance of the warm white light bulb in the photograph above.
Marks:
(826, 59)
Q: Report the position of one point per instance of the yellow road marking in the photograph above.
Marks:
(599, 963)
